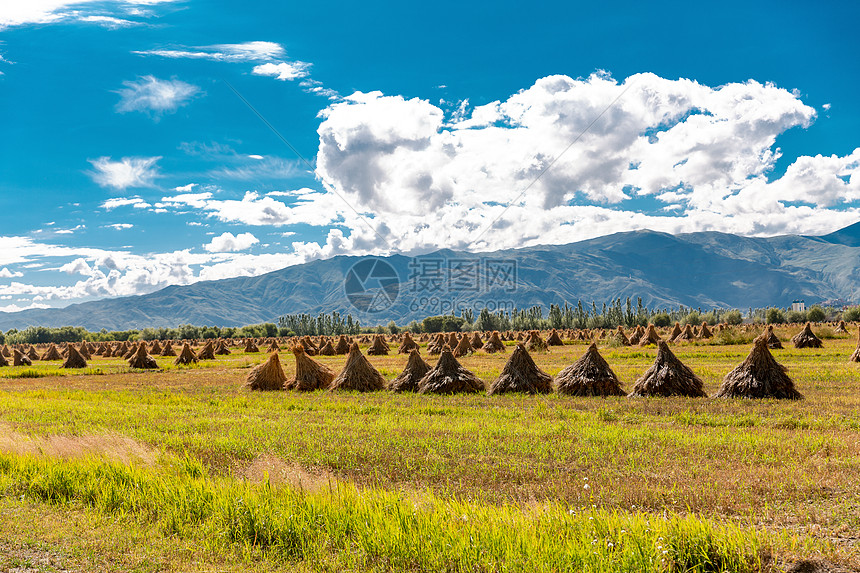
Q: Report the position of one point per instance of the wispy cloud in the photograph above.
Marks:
(256, 168)
(258, 51)
(156, 97)
(109, 22)
(115, 202)
(127, 172)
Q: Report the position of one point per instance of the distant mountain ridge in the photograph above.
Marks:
(706, 269)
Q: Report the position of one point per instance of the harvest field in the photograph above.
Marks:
(115, 469)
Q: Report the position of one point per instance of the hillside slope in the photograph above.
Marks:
(698, 269)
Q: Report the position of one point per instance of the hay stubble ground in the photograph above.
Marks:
(788, 468)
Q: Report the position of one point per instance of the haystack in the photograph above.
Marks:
(771, 338)
(806, 338)
(535, 343)
(378, 348)
(142, 359)
(841, 328)
(85, 352)
(435, 345)
(705, 332)
(650, 336)
(759, 376)
(309, 346)
(52, 353)
(221, 347)
(554, 339)
(407, 381)
(449, 377)
(589, 376)
(167, 349)
(155, 348)
(686, 335)
(187, 355)
(74, 358)
(20, 359)
(342, 345)
(521, 374)
(668, 376)
(273, 347)
(267, 376)
(675, 333)
(310, 374)
(327, 349)
(855, 357)
(452, 340)
(358, 374)
(132, 348)
(32, 354)
(251, 346)
(6, 352)
(3, 361)
(407, 345)
(476, 341)
(493, 344)
(464, 347)
(207, 352)
(619, 337)
(637, 335)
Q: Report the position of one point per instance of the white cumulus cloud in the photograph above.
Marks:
(228, 243)
(669, 155)
(282, 70)
(101, 12)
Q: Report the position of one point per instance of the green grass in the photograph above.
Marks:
(344, 528)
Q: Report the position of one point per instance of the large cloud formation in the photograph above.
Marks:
(564, 160)
(670, 155)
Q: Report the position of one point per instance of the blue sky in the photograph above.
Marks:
(128, 163)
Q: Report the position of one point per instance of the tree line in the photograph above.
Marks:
(610, 314)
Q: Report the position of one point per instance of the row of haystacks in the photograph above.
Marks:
(140, 355)
(462, 344)
(758, 376)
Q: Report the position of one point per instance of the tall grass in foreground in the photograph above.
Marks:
(342, 527)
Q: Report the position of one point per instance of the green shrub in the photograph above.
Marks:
(851, 314)
(774, 316)
(661, 319)
(815, 314)
(733, 317)
(795, 316)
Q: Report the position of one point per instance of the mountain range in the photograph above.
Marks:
(705, 269)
